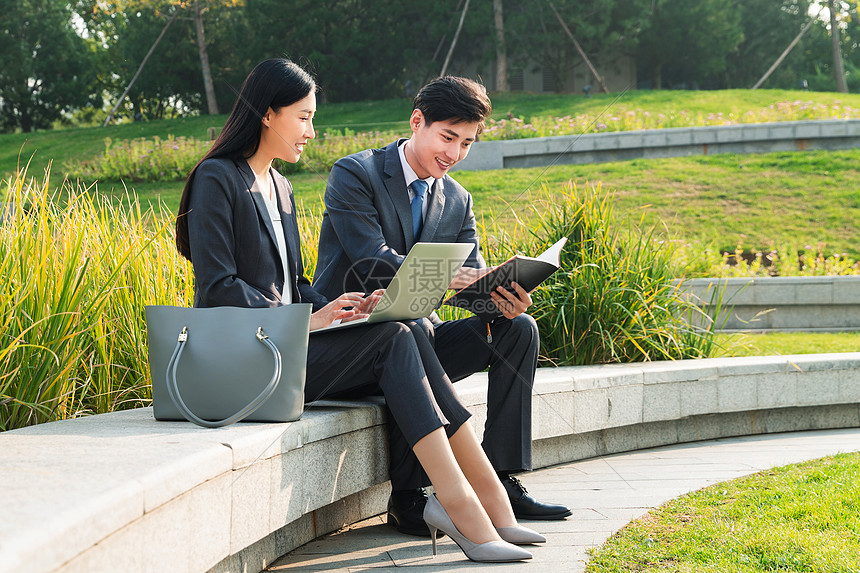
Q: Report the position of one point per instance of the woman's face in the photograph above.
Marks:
(286, 131)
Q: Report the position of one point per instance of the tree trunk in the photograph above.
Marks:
(26, 122)
(501, 49)
(211, 102)
(838, 68)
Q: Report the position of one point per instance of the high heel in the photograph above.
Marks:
(489, 552)
(519, 535)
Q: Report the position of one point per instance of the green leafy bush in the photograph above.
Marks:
(76, 272)
(75, 276)
(615, 298)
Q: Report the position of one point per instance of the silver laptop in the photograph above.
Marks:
(419, 284)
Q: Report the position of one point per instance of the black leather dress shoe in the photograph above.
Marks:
(406, 512)
(527, 507)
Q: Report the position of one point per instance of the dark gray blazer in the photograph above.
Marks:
(367, 226)
(233, 245)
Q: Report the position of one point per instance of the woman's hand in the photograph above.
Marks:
(335, 310)
(367, 304)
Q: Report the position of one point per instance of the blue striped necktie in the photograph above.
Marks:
(419, 188)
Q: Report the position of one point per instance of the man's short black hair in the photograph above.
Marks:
(453, 98)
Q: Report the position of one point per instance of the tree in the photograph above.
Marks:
(818, 61)
(838, 68)
(360, 49)
(603, 28)
(501, 49)
(688, 44)
(177, 77)
(47, 67)
(208, 86)
(768, 28)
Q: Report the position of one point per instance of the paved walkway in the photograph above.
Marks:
(607, 493)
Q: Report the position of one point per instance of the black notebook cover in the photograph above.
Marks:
(528, 272)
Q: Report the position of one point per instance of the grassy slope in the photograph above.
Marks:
(758, 201)
(62, 145)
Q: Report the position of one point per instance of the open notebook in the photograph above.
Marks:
(528, 272)
(418, 286)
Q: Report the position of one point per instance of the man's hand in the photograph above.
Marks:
(510, 305)
(335, 310)
(466, 276)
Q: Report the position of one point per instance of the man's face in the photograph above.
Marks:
(435, 148)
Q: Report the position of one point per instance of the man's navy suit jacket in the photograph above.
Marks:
(367, 226)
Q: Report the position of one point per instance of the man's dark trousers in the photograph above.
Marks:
(462, 348)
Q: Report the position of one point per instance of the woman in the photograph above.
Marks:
(237, 225)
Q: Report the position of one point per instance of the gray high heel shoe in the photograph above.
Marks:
(489, 552)
(519, 535)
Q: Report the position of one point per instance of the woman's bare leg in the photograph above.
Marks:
(453, 489)
(481, 475)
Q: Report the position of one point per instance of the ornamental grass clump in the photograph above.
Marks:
(615, 297)
(75, 276)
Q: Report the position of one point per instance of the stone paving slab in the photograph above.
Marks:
(605, 493)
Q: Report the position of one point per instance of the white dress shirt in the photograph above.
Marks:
(268, 193)
(411, 176)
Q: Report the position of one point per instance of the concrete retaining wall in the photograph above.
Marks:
(784, 303)
(656, 143)
(122, 492)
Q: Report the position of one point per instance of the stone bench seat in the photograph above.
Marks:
(123, 492)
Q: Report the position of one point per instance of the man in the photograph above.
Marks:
(379, 203)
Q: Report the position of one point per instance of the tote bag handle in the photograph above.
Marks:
(173, 386)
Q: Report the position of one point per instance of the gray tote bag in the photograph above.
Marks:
(216, 366)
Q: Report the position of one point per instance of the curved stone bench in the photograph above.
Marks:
(122, 492)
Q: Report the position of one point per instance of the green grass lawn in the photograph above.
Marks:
(82, 143)
(759, 201)
(791, 519)
(785, 343)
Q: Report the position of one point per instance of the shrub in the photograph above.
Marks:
(75, 277)
(142, 159)
(615, 298)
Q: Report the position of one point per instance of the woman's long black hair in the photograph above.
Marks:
(274, 83)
